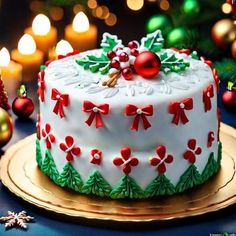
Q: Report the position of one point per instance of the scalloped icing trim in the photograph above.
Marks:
(127, 187)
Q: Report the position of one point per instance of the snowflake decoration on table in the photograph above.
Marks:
(16, 219)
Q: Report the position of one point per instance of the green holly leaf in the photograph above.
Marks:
(170, 63)
(109, 42)
(95, 64)
(153, 42)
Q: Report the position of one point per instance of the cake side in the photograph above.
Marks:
(146, 134)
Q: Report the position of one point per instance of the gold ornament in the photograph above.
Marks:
(6, 127)
(233, 49)
(224, 32)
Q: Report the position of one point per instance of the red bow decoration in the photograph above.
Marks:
(62, 100)
(178, 109)
(75, 52)
(208, 93)
(216, 78)
(132, 110)
(182, 51)
(41, 85)
(208, 62)
(96, 112)
(210, 139)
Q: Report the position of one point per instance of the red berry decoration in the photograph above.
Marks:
(127, 73)
(123, 57)
(147, 64)
(229, 100)
(111, 54)
(22, 106)
(115, 64)
(134, 52)
(132, 44)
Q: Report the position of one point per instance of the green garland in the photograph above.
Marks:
(127, 186)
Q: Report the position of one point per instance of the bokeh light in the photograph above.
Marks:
(111, 19)
(135, 5)
(226, 8)
(56, 13)
(164, 5)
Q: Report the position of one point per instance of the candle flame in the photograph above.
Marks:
(80, 22)
(4, 57)
(26, 45)
(41, 25)
(63, 47)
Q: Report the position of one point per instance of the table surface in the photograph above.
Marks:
(48, 224)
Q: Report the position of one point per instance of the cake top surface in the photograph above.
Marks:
(180, 72)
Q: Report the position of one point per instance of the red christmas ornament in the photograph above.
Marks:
(147, 64)
(3, 97)
(22, 106)
(229, 100)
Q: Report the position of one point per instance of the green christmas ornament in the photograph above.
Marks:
(177, 36)
(191, 7)
(159, 21)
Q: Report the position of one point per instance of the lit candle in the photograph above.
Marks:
(81, 34)
(43, 33)
(63, 47)
(27, 55)
(11, 72)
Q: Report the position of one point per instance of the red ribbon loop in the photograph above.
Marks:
(96, 112)
(62, 100)
(132, 110)
(178, 109)
(208, 93)
(41, 85)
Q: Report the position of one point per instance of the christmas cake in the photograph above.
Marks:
(129, 121)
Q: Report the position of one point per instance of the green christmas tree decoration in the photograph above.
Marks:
(39, 158)
(97, 185)
(190, 178)
(49, 168)
(160, 186)
(127, 188)
(153, 42)
(210, 168)
(170, 63)
(95, 64)
(109, 42)
(219, 155)
(70, 178)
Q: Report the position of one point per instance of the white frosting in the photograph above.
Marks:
(69, 78)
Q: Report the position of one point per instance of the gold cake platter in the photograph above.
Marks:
(20, 174)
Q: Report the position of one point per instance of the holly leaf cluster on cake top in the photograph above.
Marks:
(145, 59)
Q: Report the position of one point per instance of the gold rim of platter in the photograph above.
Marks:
(20, 174)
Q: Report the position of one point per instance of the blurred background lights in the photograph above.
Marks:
(135, 5)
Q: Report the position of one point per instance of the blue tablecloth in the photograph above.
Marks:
(48, 224)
